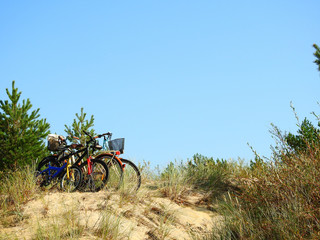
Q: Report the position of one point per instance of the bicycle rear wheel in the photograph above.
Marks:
(71, 179)
(131, 177)
(98, 177)
(44, 178)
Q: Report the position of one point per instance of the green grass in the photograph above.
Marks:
(199, 173)
(16, 188)
(173, 182)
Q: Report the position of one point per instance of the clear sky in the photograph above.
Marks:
(174, 78)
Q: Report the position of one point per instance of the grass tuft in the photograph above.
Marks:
(16, 188)
(109, 227)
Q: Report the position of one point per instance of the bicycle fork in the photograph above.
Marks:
(68, 171)
(89, 165)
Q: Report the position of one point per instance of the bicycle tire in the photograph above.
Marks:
(72, 182)
(115, 172)
(131, 177)
(98, 177)
(44, 180)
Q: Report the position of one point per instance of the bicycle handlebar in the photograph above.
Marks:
(103, 134)
(98, 136)
(92, 139)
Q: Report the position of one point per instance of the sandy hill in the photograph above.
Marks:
(111, 215)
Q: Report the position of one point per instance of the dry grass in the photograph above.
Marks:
(173, 182)
(65, 226)
(109, 227)
(280, 200)
(16, 188)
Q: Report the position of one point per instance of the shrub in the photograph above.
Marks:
(281, 200)
(213, 176)
(200, 172)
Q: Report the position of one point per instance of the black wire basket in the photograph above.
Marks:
(116, 145)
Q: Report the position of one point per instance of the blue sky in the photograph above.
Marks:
(174, 78)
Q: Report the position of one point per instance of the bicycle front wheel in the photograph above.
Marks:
(131, 177)
(71, 179)
(115, 171)
(97, 179)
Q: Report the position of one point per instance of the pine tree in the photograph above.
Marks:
(22, 133)
(317, 55)
(80, 124)
(308, 137)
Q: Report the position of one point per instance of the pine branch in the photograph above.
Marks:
(317, 55)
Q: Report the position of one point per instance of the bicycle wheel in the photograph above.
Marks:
(44, 178)
(44, 163)
(131, 177)
(115, 172)
(98, 177)
(71, 179)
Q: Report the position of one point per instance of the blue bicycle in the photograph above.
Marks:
(50, 173)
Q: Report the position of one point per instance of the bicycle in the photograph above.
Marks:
(95, 170)
(49, 170)
(95, 176)
(124, 173)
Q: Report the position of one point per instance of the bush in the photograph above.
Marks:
(200, 172)
(281, 199)
(213, 176)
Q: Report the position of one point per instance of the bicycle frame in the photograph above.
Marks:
(89, 165)
(57, 169)
(85, 152)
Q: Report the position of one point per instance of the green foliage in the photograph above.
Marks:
(21, 131)
(211, 175)
(317, 55)
(172, 169)
(307, 138)
(306, 141)
(206, 172)
(79, 125)
(199, 172)
(257, 164)
(174, 182)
